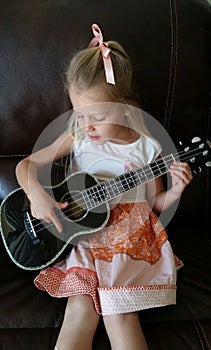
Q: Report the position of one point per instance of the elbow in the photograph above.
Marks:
(20, 167)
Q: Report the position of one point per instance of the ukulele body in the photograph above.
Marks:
(33, 244)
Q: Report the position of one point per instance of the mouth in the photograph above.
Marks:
(94, 138)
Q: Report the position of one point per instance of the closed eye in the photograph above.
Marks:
(91, 119)
(99, 118)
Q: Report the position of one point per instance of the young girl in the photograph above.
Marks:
(128, 265)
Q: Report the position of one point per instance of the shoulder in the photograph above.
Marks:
(149, 147)
(150, 142)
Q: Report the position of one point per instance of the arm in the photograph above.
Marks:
(42, 205)
(161, 199)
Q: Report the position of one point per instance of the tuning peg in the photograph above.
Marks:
(197, 170)
(196, 139)
(193, 160)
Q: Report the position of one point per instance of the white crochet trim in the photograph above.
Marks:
(130, 299)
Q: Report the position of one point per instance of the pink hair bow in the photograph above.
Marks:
(105, 50)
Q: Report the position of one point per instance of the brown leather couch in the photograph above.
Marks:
(169, 44)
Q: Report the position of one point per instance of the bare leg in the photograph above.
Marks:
(79, 324)
(124, 332)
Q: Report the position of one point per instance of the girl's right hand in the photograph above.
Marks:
(43, 208)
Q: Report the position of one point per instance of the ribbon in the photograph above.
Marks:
(105, 50)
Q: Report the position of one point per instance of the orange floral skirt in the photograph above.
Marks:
(134, 229)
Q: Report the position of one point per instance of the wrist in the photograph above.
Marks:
(174, 195)
(34, 191)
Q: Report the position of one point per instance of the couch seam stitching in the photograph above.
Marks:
(199, 335)
(204, 335)
(172, 78)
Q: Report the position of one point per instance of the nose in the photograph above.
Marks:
(86, 123)
(88, 126)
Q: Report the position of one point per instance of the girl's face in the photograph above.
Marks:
(100, 119)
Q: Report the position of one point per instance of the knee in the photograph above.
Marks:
(119, 319)
(81, 314)
(80, 306)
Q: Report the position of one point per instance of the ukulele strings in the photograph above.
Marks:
(146, 172)
(80, 202)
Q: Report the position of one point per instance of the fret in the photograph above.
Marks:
(97, 195)
(160, 164)
(113, 189)
(169, 161)
(103, 191)
(119, 184)
(150, 174)
(88, 200)
(141, 176)
(155, 169)
(158, 168)
(127, 180)
(147, 173)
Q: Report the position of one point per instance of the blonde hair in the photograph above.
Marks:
(86, 70)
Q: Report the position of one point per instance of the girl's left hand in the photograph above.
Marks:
(181, 176)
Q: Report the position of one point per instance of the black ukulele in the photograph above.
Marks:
(33, 244)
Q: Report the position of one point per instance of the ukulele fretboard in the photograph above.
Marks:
(110, 189)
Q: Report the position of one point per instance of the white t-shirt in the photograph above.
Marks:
(109, 160)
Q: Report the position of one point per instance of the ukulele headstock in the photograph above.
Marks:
(197, 154)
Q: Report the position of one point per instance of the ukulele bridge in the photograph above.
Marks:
(29, 227)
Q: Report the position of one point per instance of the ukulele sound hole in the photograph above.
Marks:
(75, 210)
